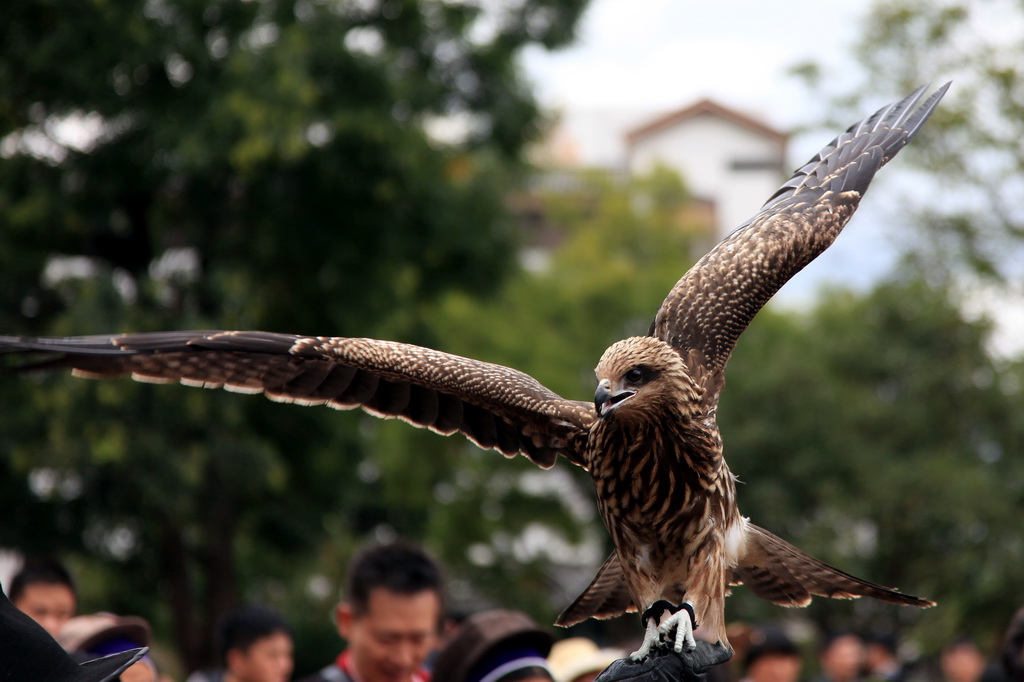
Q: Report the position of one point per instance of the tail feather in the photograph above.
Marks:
(779, 572)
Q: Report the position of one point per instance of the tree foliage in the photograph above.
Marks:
(878, 433)
(180, 164)
(964, 204)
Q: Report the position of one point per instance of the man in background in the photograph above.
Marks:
(962, 661)
(43, 590)
(883, 663)
(841, 658)
(255, 645)
(771, 657)
(390, 616)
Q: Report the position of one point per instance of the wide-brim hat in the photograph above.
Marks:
(577, 656)
(28, 652)
(481, 634)
(83, 633)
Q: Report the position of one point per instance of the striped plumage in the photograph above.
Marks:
(670, 516)
(652, 446)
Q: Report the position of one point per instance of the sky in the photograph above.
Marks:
(661, 54)
(636, 59)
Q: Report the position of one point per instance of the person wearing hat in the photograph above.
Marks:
(506, 646)
(102, 634)
(495, 646)
(28, 652)
(578, 659)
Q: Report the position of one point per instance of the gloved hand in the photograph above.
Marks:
(668, 666)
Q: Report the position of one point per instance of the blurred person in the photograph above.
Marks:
(739, 639)
(841, 658)
(44, 590)
(507, 646)
(1011, 651)
(28, 652)
(962, 661)
(495, 646)
(255, 645)
(103, 634)
(578, 659)
(390, 616)
(882, 661)
(771, 657)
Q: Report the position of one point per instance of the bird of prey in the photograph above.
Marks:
(649, 439)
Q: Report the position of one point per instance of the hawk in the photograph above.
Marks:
(649, 439)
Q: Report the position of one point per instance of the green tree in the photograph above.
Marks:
(877, 433)
(964, 203)
(182, 164)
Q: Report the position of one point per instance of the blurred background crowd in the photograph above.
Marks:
(395, 626)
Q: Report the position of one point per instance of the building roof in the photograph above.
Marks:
(704, 106)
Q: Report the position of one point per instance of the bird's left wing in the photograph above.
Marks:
(494, 406)
(779, 572)
(716, 299)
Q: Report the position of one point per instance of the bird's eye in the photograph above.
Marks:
(635, 375)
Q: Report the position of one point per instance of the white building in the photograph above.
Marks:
(726, 158)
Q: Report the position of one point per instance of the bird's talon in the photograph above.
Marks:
(652, 638)
(684, 623)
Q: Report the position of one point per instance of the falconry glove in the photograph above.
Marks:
(667, 666)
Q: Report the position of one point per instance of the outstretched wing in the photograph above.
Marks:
(717, 298)
(494, 406)
(779, 572)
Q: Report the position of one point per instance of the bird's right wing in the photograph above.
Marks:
(716, 299)
(494, 406)
(607, 596)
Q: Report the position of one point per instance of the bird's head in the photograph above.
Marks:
(641, 376)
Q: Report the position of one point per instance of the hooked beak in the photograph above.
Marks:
(605, 401)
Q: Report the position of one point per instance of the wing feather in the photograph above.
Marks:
(779, 572)
(716, 299)
(494, 406)
(607, 596)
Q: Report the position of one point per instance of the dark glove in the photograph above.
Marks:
(668, 666)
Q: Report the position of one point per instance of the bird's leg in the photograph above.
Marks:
(684, 625)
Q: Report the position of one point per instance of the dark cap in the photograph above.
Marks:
(768, 640)
(482, 637)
